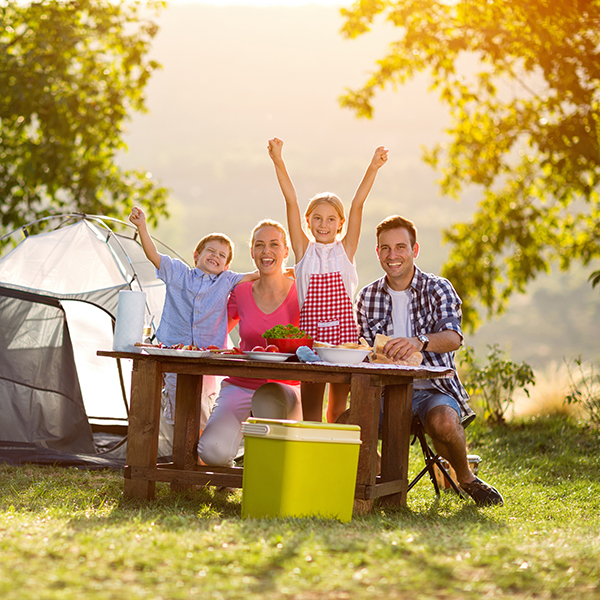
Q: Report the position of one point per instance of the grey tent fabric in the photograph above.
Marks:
(20, 453)
(59, 292)
(40, 396)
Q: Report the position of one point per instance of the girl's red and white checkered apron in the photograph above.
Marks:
(327, 314)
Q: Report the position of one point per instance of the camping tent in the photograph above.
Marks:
(58, 301)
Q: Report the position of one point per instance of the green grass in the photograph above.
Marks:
(66, 533)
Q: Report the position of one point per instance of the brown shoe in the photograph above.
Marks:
(483, 493)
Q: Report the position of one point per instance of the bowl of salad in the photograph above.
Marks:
(287, 338)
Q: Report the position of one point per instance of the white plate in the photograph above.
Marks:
(227, 356)
(268, 356)
(176, 352)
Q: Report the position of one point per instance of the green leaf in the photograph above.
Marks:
(521, 81)
(71, 74)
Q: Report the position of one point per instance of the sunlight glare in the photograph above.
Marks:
(265, 2)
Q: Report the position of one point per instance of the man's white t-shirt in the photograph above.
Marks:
(403, 326)
(401, 312)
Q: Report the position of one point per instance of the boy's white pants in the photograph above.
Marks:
(210, 386)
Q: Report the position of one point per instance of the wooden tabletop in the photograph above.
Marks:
(293, 370)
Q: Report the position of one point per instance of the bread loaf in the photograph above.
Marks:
(379, 356)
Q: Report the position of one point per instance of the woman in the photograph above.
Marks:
(257, 306)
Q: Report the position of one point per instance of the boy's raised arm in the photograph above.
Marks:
(298, 238)
(355, 215)
(138, 218)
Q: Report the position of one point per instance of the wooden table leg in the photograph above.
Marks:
(187, 425)
(364, 411)
(395, 447)
(144, 419)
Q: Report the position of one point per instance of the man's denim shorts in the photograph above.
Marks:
(424, 400)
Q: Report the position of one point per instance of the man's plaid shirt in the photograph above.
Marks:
(435, 306)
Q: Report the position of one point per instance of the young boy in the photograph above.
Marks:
(195, 309)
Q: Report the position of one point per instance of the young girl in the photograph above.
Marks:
(326, 275)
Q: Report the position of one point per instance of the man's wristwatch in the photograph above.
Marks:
(424, 340)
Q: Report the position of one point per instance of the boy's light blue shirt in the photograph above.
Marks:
(195, 310)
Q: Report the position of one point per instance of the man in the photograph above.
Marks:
(422, 313)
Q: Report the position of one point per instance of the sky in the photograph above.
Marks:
(263, 2)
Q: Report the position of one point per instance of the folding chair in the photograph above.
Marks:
(431, 459)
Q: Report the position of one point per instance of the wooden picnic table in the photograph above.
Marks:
(367, 382)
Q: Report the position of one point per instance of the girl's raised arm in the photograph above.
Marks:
(350, 240)
(298, 238)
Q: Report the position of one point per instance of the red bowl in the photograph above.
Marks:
(290, 345)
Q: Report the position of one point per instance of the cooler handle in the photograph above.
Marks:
(256, 429)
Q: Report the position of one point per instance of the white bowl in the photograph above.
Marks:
(342, 356)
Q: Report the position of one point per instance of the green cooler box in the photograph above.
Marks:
(299, 469)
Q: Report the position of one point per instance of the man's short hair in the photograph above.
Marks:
(397, 222)
(216, 237)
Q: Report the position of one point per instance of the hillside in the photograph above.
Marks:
(234, 77)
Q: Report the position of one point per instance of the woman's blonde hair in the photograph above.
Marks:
(326, 198)
(270, 223)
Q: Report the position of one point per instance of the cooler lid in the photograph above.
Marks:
(306, 431)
